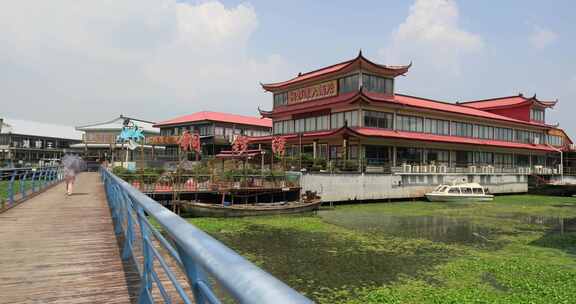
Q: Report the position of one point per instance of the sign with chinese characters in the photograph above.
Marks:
(325, 89)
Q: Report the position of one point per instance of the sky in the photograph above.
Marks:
(77, 61)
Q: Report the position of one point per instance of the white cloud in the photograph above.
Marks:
(542, 37)
(88, 60)
(431, 35)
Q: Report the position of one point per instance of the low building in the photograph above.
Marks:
(216, 130)
(100, 140)
(26, 143)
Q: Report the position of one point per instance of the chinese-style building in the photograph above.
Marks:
(216, 130)
(350, 111)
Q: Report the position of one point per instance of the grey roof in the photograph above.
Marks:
(117, 123)
(33, 128)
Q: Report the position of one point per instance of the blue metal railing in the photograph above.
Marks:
(188, 250)
(18, 183)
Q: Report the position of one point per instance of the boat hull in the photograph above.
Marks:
(441, 197)
(212, 210)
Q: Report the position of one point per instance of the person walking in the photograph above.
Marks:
(73, 165)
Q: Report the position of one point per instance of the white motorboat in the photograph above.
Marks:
(460, 192)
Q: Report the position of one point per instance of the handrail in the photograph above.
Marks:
(194, 252)
(17, 184)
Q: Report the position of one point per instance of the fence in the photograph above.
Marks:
(181, 248)
(18, 183)
(149, 183)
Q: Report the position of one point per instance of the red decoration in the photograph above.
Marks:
(240, 144)
(279, 145)
(195, 143)
(190, 142)
(185, 141)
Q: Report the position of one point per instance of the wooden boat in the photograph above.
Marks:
(459, 192)
(217, 210)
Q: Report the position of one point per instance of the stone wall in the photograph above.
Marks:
(345, 187)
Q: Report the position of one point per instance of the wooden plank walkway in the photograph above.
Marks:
(60, 249)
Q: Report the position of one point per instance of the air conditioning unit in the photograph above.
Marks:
(416, 169)
(471, 169)
(423, 169)
(406, 168)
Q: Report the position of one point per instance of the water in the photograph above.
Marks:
(435, 228)
(311, 261)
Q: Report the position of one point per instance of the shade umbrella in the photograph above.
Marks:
(73, 163)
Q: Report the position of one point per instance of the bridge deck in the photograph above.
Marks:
(60, 249)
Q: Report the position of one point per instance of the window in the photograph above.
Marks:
(537, 115)
(438, 156)
(484, 132)
(377, 84)
(504, 134)
(381, 120)
(529, 137)
(462, 129)
(322, 152)
(483, 158)
(464, 158)
(409, 123)
(337, 119)
(299, 125)
(280, 99)
(503, 160)
(377, 155)
(554, 140)
(436, 126)
(409, 155)
(310, 124)
(278, 127)
(454, 190)
(323, 122)
(348, 84)
(220, 131)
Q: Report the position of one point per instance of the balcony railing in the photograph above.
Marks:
(19, 183)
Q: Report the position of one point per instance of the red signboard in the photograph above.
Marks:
(325, 89)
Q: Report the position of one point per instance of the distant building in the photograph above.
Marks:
(99, 141)
(217, 130)
(24, 142)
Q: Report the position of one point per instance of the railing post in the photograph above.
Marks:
(195, 274)
(22, 184)
(11, 187)
(145, 296)
(33, 181)
(129, 233)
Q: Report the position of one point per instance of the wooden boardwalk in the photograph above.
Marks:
(60, 249)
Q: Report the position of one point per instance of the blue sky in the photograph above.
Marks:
(160, 58)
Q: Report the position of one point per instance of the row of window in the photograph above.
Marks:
(209, 130)
(384, 120)
(351, 83)
(316, 123)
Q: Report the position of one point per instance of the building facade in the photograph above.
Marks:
(350, 113)
(100, 140)
(28, 143)
(216, 130)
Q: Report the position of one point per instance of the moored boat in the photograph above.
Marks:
(459, 192)
(217, 210)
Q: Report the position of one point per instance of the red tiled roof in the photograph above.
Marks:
(505, 102)
(384, 133)
(452, 108)
(448, 139)
(220, 117)
(392, 70)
